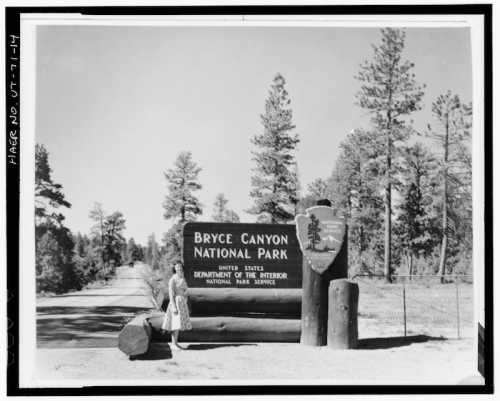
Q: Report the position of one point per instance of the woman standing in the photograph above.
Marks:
(177, 314)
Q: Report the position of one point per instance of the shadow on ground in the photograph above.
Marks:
(96, 295)
(81, 326)
(94, 310)
(159, 351)
(394, 342)
(201, 347)
(156, 351)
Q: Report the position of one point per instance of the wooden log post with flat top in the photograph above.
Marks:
(135, 337)
(323, 239)
(343, 297)
(314, 307)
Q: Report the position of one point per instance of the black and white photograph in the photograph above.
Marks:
(252, 199)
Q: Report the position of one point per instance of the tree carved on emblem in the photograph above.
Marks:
(313, 230)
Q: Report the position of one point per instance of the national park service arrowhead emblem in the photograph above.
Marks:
(320, 234)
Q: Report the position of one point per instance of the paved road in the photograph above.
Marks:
(92, 317)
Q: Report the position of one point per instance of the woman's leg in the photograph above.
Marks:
(175, 336)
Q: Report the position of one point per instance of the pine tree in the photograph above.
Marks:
(84, 259)
(221, 213)
(413, 226)
(452, 134)
(80, 243)
(173, 245)
(133, 251)
(354, 188)
(181, 205)
(48, 194)
(152, 253)
(97, 214)
(54, 243)
(389, 91)
(274, 181)
(55, 270)
(114, 242)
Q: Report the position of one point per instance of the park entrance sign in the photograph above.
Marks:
(321, 235)
(242, 255)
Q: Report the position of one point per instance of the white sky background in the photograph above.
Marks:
(115, 105)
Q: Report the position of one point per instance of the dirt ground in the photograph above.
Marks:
(77, 343)
(426, 362)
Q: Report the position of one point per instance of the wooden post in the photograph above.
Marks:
(404, 306)
(458, 307)
(314, 309)
(135, 337)
(343, 297)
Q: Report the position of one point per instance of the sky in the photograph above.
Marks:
(116, 105)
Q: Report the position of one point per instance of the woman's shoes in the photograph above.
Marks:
(176, 347)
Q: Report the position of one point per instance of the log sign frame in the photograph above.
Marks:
(241, 255)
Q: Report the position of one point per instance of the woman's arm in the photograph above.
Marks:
(171, 294)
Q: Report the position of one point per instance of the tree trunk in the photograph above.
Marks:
(102, 239)
(444, 223)
(410, 263)
(442, 260)
(388, 208)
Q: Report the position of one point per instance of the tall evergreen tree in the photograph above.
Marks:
(389, 91)
(274, 181)
(152, 253)
(221, 213)
(172, 245)
(54, 244)
(55, 271)
(181, 205)
(355, 192)
(114, 242)
(452, 134)
(80, 244)
(182, 181)
(133, 251)
(84, 258)
(98, 216)
(48, 194)
(413, 226)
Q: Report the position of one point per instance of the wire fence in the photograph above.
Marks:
(416, 304)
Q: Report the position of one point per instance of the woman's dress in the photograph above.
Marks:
(177, 289)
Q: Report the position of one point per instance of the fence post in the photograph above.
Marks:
(458, 308)
(404, 305)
